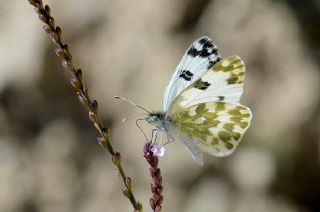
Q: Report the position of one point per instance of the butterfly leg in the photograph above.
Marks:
(161, 136)
(169, 139)
(159, 129)
(154, 135)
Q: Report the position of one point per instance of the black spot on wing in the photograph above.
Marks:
(203, 40)
(187, 75)
(207, 43)
(221, 98)
(193, 52)
(202, 85)
(213, 62)
(206, 48)
(204, 53)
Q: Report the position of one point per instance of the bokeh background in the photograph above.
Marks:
(49, 158)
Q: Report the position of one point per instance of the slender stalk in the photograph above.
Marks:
(156, 184)
(62, 50)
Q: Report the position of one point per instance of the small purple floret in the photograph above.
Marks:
(157, 150)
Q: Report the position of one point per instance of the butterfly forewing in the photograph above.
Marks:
(223, 82)
(199, 57)
(213, 127)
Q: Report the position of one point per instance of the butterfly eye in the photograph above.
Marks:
(151, 119)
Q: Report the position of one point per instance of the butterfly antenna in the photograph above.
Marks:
(133, 116)
(141, 128)
(132, 103)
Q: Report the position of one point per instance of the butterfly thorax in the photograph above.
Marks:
(158, 119)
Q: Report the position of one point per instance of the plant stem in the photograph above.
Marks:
(62, 50)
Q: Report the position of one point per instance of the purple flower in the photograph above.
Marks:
(157, 150)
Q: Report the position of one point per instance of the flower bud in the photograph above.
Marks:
(116, 159)
(47, 29)
(58, 31)
(81, 98)
(152, 203)
(125, 192)
(47, 10)
(75, 83)
(139, 206)
(101, 142)
(94, 104)
(43, 18)
(66, 64)
(59, 52)
(93, 117)
(78, 74)
(129, 182)
(33, 2)
(67, 52)
(105, 131)
(158, 208)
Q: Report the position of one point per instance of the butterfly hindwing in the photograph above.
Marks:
(213, 127)
(192, 147)
(199, 57)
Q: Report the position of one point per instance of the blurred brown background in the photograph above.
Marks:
(49, 159)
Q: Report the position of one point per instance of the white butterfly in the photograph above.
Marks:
(201, 102)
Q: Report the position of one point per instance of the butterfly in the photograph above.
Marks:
(201, 102)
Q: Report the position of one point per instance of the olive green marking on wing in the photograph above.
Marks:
(219, 106)
(189, 126)
(202, 85)
(240, 115)
(232, 65)
(228, 121)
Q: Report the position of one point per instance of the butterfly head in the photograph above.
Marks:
(155, 118)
